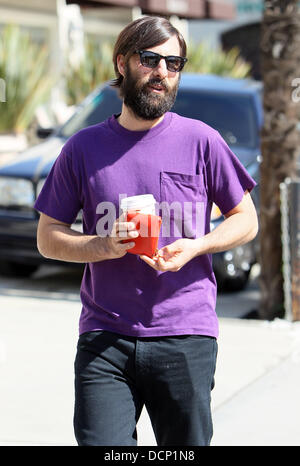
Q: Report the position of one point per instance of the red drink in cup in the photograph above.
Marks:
(141, 211)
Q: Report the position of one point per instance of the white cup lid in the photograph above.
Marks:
(137, 202)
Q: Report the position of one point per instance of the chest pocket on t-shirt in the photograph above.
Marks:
(182, 205)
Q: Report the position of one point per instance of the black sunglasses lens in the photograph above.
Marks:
(174, 64)
(149, 59)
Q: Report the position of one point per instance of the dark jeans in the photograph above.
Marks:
(116, 375)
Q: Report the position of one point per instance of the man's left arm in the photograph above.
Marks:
(239, 227)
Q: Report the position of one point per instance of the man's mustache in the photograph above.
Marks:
(154, 81)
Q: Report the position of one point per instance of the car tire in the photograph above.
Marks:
(14, 269)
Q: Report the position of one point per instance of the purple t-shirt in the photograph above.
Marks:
(187, 166)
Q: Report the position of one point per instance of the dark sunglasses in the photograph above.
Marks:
(151, 60)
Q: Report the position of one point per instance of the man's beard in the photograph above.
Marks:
(143, 102)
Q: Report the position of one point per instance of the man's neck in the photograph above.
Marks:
(130, 121)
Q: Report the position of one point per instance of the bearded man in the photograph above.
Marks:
(148, 328)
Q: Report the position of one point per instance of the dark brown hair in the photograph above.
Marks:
(143, 33)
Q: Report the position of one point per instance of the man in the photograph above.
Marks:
(148, 327)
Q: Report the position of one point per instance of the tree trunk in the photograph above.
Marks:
(280, 61)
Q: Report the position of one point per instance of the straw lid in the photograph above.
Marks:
(137, 202)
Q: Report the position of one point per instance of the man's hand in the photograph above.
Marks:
(174, 256)
(113, 244)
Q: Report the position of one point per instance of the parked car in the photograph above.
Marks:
(231, 106)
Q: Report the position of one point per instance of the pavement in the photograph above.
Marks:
(255, 400)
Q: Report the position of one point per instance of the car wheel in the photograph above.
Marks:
(14, 269)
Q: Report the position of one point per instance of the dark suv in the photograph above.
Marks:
(231, 106)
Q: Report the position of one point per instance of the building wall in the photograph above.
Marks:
(41, 19)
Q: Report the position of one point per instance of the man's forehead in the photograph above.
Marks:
(169, 47)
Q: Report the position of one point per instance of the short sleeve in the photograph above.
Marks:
(59, 197)
(227, 179)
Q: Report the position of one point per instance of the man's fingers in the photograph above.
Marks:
(127, 245)
(149, 261)
(156, 263)
(125, 226)
(124, 230)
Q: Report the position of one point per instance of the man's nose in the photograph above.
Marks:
(161, 69)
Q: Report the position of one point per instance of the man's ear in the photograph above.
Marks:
(121, 64)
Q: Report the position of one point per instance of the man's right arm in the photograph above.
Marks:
(56, 240)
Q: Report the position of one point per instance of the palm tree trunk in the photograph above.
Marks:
(280, 61)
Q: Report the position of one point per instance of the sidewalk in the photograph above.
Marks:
(256, 397)
(255, 400)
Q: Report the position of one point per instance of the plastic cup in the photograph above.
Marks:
(141, 211)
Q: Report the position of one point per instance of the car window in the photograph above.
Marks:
(98, 109)
(232, 115)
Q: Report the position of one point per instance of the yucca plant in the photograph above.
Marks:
(203, 59)
(95, 68)
(24, 68)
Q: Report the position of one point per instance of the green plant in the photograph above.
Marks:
(203, 59)
(95, 68)
(24, 68)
